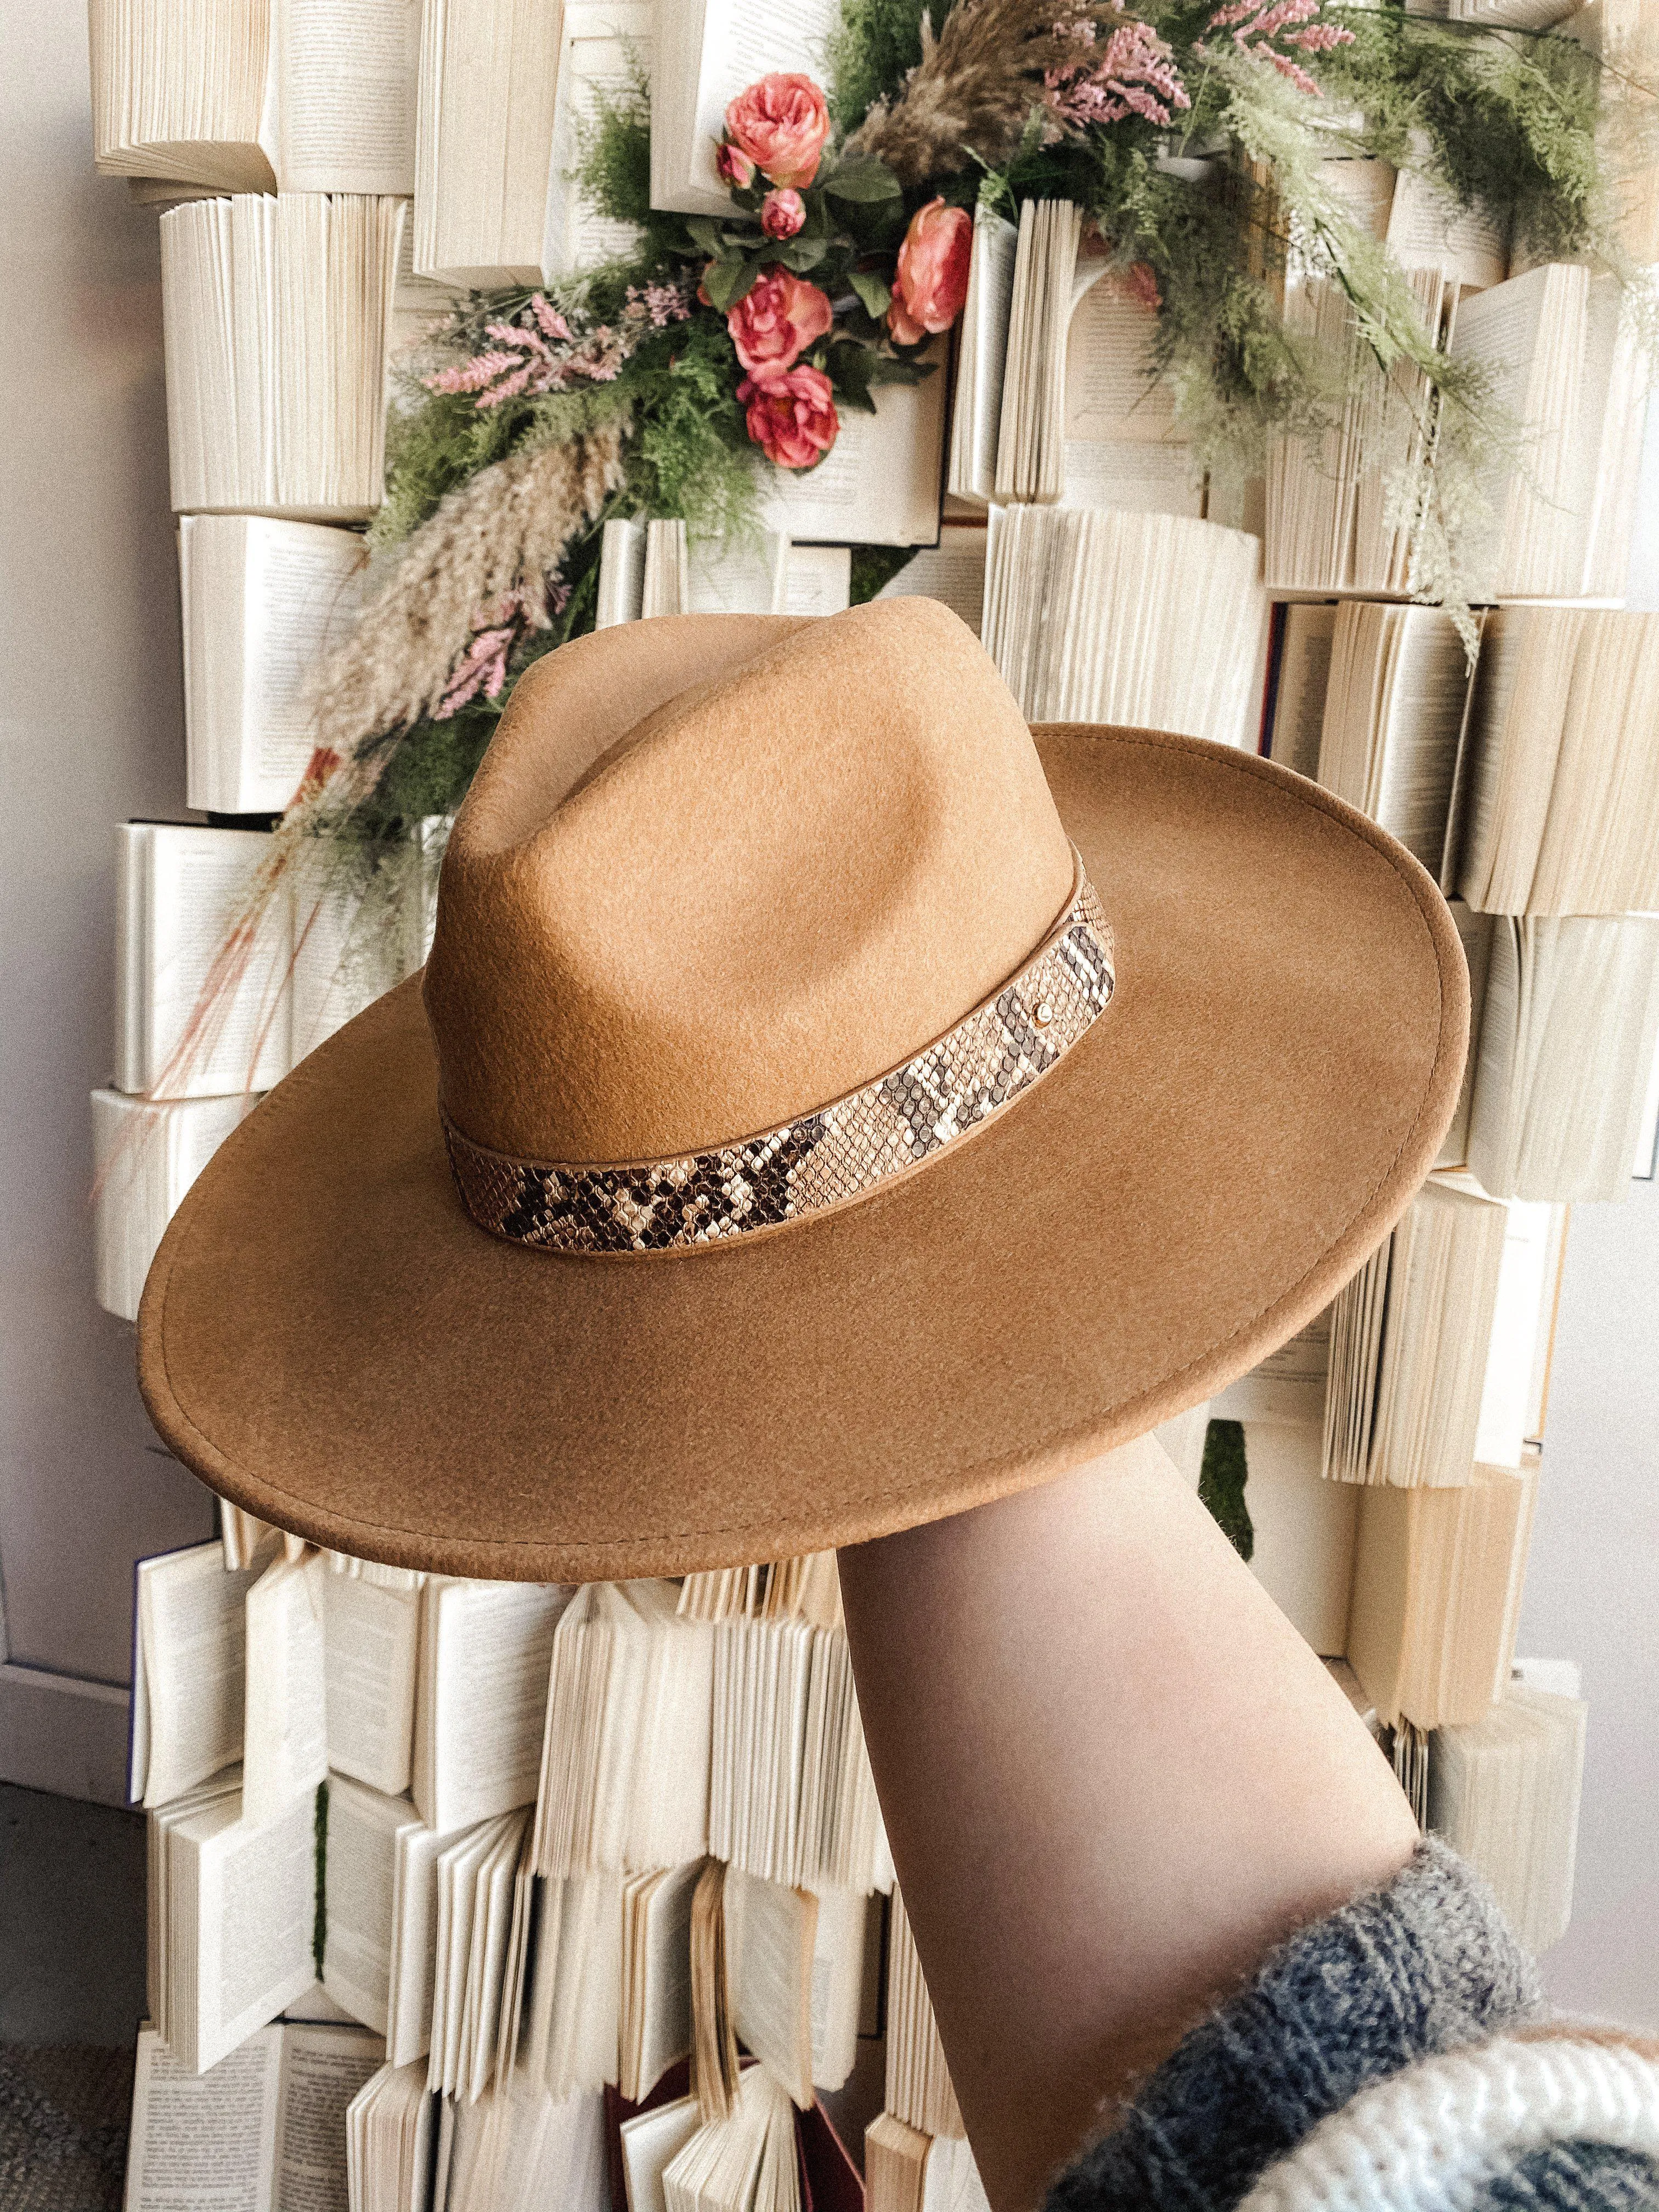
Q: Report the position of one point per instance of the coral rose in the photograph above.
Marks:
(776, 319)
(931, 280)
(735, 167)
(782, 213)
(792, 417)
(780, 123)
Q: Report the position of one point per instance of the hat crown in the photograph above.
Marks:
(669, 919)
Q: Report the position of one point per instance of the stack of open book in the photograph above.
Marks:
(464, 1873)
(320, 952)
(1527, 789)
(1385, 1466)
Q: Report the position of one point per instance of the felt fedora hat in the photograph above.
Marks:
(828, 1104)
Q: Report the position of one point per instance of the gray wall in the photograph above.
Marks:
(89, 708)
(1593, 1595)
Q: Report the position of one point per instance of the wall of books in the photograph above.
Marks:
(469, 1895)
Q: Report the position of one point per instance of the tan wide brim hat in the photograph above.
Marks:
(332, 1342)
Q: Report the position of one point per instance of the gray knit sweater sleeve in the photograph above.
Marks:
(1425, 1966)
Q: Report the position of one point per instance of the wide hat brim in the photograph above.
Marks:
(331, 1342)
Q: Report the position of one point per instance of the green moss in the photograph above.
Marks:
(1221, 1484)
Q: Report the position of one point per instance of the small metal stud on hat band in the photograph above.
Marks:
(1044, 1015)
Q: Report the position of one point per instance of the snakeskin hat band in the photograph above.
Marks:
(827, 1103)
(824, 1158)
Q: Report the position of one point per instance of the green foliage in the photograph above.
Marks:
(1221, 1484)
(1506, 121)
(876, 43)
(876, 565)
(613, 152)
(1509, 122)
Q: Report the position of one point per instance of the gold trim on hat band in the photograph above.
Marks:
(824, 1158)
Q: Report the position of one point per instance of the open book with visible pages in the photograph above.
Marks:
(707, 52)
(657, 568)
(1564, 1054)
(507, 88)
(266, 2126)
(1055, 395)
(1556, 810)
(274, 313)
(1151, 621)
(204, 1012)
(293, 96)
(264, 600)
(1504, 1790)
(178, 889)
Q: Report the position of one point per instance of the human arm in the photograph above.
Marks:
(1113, 1776)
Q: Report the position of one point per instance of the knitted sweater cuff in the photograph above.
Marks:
(1425, 1966)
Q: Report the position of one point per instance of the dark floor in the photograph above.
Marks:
(71, 1920)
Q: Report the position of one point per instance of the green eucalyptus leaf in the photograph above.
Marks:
(863, 178)
(704, 232)
(873, 289)
(800, 253)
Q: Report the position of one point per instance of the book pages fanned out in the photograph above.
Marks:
(1436, 1592)
(1301, 679)
(1561, 357)
(1563, 1064)
(488, 79)
(255, 95)
(389, 2142)
(906, 2171)
(1151, 621)
(1409, 1341)
(918, 2083)
(1504, 1791)
(625, 1757)
(275, 316)
(1557, 807)
(1331, 523)
(1396, 697)
(746, 2162)
(179, 92)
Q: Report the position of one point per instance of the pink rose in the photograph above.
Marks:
(780, 123)
(931, 280)
(791, 417)
(782, 213)
(776, 319)
(735, 167)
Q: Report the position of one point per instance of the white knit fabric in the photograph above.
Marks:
(1429, 2139)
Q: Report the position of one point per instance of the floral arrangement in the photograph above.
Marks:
(1197, 139)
